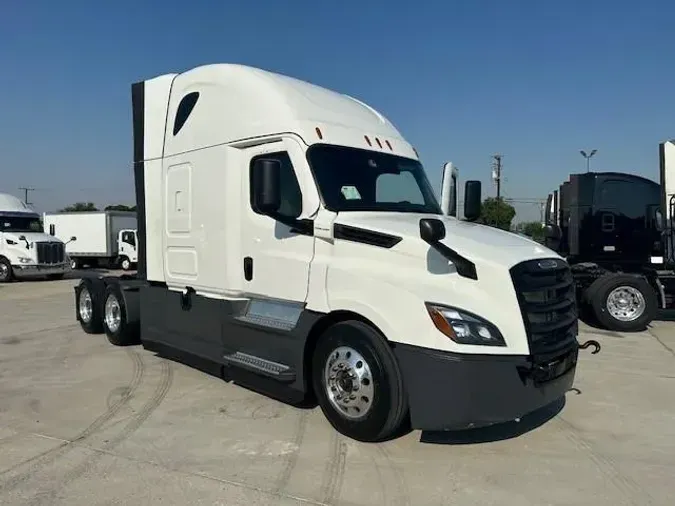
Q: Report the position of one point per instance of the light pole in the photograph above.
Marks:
(588, 158)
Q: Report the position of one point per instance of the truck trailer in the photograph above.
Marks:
(102, 238)
(616, 232)
(289, 241)
(25, 250)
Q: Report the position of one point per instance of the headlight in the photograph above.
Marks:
(463, 327)
(25, 260)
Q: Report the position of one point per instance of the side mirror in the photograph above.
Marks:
(472, 200)
(552, 233)
(449, 189)
(266, 186)
(432, 230)
(73, 238)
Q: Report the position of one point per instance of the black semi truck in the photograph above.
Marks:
(616, 232)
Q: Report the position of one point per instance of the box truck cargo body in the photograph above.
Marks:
(102, 238)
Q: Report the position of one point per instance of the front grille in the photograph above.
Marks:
(50, 252)
(547, 299)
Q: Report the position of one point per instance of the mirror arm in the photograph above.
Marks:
(465, 267)
(305, 227)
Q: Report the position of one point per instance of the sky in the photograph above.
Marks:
(535, 81)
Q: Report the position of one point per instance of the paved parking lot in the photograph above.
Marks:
(85, 423)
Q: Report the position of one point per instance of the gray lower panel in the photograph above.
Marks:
(267, 339)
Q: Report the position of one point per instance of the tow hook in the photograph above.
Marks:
(591, 342)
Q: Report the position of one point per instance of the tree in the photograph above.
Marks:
(79, 207)
(120, 207)
(497, 213)
(533, 229)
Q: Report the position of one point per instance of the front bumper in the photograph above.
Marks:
(449, 391)
(36, 270)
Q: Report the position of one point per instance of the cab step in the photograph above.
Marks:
(275, 370)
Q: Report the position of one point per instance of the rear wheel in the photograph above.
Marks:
(358, 383)
(117, 329)
(623, 302)
(88, 308)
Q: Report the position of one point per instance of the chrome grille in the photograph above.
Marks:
(546, 294)
(50, 252)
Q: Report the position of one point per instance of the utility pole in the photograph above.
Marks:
(497, 173)
(25, 192)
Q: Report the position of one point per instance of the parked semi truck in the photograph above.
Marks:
(289, 240)
(616, 232)
(25, 250)
(102, 238)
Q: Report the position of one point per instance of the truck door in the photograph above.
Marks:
(276, 257)
(127, 246)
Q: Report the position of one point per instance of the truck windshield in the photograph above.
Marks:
(351, 179)
(20, 224)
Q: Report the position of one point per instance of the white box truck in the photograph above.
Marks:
(102, 238)
(25, 250)
(289, 240)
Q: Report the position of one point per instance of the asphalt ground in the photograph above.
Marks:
(85, 423)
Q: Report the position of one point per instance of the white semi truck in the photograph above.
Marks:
(103, 238)
(25, 250)
(288, 236)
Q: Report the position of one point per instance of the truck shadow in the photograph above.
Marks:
(499, 432)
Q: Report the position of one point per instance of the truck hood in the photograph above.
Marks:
(478, 243)
(31, 237)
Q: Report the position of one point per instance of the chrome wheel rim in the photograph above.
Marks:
(113, 314)
(85, 305)
(349, 383)
(4, 271)
(626, 303)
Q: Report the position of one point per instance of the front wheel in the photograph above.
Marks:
(622, 302)
(6, 273)
(125, 264)
(358, 383)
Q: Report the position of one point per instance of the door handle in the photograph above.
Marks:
(248, 268)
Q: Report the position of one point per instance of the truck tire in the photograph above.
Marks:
(74, 263)
(6, 273)
(88, 307)
(357, 382)
(125, 263)
(115, 325)
(622, 302)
